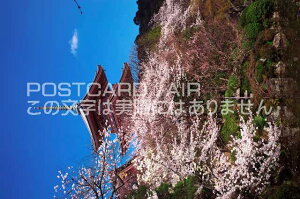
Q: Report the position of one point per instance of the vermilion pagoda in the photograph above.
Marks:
(102, 100)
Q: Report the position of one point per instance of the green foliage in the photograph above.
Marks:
(232, 82)
(188, 33)
(257, 12)
(163, 191)
(256, 137)
(150, 38)
(230, 127)
(259, 72)
(217, 78)
(269, 65)
(252, 30)
(264, 86)
(245, 65)
(233, 156)
(185, 189)
(245, 84)
(269, 43)
(232, 86)
(267, 23)
(247, 44)
(263, 69)
(229, 93)
(140, 193)
(260, 122)
(288, 190)
(254, 18)
(235, 53)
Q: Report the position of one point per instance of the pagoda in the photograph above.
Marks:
(101, 97)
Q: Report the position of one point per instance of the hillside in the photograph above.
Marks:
(245, 57)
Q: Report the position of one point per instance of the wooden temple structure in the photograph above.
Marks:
(127, 180)
(99, 100)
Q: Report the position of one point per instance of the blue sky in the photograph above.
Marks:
(35, 47)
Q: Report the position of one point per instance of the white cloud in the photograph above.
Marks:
(74, 43)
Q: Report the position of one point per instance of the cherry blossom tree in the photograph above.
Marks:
(187, 154)
(97, 180)
(254, 161)
(195, 152)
